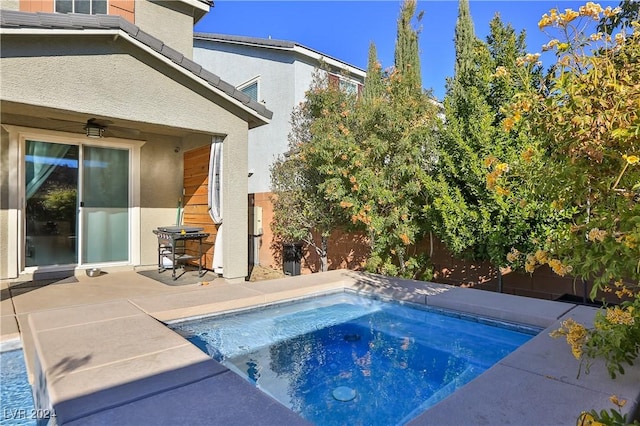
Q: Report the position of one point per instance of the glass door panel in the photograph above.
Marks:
(51, 203)
(105, 205)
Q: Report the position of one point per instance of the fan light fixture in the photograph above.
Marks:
(94, 131)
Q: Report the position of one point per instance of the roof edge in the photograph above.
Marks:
(16, 22)
(283, 45)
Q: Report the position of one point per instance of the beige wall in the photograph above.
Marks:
(5, 203)
(106, 79)
(235, 221)
(10, 4)
(169, 21)
(160, 188)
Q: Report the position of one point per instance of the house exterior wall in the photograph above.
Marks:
(95, 77)
(124, 8)
(11, 4)
(170, 21)
(34, 5)
(239, 64)
(71, 76)
(7, 240)
(284, 77)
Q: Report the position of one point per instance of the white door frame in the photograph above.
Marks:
(17, 218)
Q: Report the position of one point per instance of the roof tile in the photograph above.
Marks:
(262, 110)
(129, 28)
(194, 67)
(243, 97)
(210, 77)
(53, 20)
(17, 19)
(227, 88)
(80, 21)
(112, 21)
(149, 40)
(244, 39)
(172, 54)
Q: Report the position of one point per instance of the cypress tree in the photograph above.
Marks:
(475, 217)
(463, 213)
(373, 84)
(464, 41)
(407, 57)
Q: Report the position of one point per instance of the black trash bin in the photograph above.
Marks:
(291, 258)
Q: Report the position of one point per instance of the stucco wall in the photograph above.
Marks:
(105, 78)
(10, 4)
(160, 189)
(169, 21)
(239, 64)
(4, 201)
(285, 76)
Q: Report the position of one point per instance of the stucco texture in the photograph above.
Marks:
(168, 21)
(112, 78)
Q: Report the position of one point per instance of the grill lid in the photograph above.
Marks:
(179, 229)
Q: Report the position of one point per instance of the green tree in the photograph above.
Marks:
(301, 211)
(407, 54)
(588, 127)
(465, 42)
(373, 84)
(452, 205)
(470, 214)
(373, 156)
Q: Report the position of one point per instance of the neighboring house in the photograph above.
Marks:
(277, 74)
(99, 110)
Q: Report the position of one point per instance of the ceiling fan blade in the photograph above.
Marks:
(99, 122)
(106, 125)
(124, 132)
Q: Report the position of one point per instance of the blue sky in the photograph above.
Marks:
(343, 29)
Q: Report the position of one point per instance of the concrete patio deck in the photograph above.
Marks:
(98, 352)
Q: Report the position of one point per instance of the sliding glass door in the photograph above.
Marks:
(63, 228)
(51, 203)
(105, 205)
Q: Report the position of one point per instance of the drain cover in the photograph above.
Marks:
(344, 393)
(351, 337)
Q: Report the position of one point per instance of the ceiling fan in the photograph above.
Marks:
(98, 128)
(95, 128)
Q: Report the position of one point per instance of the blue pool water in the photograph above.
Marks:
(345, 359)
(16, 398)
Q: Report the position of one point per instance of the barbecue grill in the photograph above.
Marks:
(172, 247)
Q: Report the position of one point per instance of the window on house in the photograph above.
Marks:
(344, 84)
(89, 7)
(348, 86)
(250, 89)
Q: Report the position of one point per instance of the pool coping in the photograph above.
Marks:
(117, 362)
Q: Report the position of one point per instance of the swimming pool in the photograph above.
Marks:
(346, 359)
(16, 396)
